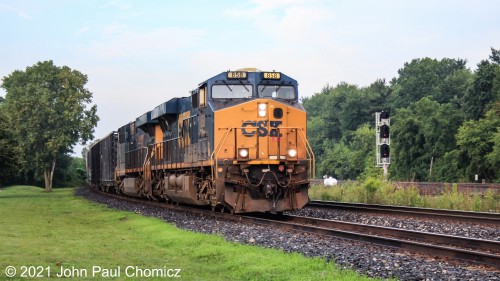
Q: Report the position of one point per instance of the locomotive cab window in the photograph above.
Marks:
(203, 96)
(194, 99)
(276, 91)
(228, 91)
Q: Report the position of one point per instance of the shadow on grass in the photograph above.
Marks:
(30, 192)
(51, 195)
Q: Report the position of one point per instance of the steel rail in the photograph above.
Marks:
(357, 232)
(425, 237)
(461, 216)
(429, 249)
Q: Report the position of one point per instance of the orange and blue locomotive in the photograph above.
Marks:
(238, 142)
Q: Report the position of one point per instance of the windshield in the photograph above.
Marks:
(276, 91)
(227, 91)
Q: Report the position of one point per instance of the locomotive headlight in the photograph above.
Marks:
(291, 152)
(243, 153)
(262, 109)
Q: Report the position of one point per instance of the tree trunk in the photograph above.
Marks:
(49, 174)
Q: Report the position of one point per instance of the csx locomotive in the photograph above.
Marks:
(237, 143)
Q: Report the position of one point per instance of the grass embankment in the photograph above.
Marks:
(374, 191)
(50, 230)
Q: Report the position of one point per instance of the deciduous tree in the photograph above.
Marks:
(485, 88)
(50, 112)
(423, 78)
(478, 140)
(10, 154)
(422, 133)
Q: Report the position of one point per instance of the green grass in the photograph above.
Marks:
(375, 191)
(59, 229)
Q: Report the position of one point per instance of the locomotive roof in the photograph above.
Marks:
(175, 105)
(252, 74)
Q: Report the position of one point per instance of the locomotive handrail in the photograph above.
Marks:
(129, 154)
(146, 168)
(161, 146)
(142, 147)
(228, 130)
(311, 153)
(192, 116)
(146, 159)
(312, 158)
(301, 130)
(172, 139)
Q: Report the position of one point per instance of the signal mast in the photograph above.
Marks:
(382, 125)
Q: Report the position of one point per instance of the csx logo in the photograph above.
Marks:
(249, 128)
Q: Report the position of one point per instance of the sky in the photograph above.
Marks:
(139, 54)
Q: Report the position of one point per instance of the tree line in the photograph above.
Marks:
(445, 122)
(45, 112)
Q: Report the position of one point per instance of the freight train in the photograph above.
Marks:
(238, 142)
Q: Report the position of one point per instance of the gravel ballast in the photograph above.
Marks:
(368, 259)
(440, 226)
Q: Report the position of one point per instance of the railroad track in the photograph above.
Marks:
(461, 216)
(466, 249)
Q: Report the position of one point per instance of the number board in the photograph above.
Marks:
(236, 75)
(272, 75)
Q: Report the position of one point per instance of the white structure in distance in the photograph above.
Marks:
(329, 181)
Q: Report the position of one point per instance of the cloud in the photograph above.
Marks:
(118, 41)
(312, 70)
(83, 29)
(289, 20)
(122, 5)
(20, 13)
